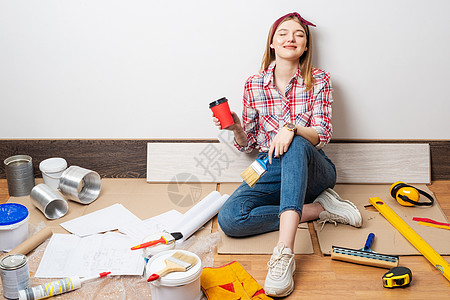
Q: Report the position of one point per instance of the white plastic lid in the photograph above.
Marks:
(157, 263)
(53, 165)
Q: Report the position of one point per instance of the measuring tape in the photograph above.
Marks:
(397, 277)
(433, 257)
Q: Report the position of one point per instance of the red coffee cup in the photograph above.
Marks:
(221, 111)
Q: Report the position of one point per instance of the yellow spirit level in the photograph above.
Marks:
(423, 247)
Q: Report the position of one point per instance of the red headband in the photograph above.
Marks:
(294, 14)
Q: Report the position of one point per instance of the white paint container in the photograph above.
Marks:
(175, 285)
(13, 225)
(52, 169)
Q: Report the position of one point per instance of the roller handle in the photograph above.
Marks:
(369, 242)
(161, 273)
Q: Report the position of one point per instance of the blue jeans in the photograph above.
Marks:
(295, 178)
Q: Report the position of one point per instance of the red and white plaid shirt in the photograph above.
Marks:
(266, 110)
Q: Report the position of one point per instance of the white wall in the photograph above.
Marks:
(148, 69)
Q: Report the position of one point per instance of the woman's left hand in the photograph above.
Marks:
(280, 143)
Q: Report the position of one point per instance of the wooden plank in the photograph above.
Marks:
(193, 162)
(380, 163)
(355, 163)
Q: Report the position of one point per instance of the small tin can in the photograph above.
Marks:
(15, 275)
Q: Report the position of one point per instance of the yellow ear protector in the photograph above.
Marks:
(407, 195)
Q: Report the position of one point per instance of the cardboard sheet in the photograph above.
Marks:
(141, 198)
(148, 200)
(388, 240)
(264, 243)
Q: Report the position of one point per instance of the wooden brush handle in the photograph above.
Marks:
(171, 267)
(158, 274)
(165, 271)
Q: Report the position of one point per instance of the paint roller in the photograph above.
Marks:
(365, 256)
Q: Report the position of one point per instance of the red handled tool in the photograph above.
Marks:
(166, 238)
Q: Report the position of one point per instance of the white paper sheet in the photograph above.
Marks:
(109, 218)
(141, 229)
(69, 255)
(167, 219)
(198, 215)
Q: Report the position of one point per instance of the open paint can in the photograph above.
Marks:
(19, 174)
(80, 184)
(52, 169)
(175, 285)
(13, 225)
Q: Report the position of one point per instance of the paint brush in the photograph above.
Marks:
(365, 256)
(178, 262)
(166, 238)
(257, 169)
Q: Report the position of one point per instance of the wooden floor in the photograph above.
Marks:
(317, 277)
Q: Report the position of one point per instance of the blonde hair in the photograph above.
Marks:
(305, 60)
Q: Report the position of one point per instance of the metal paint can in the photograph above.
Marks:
(15, 275)
(19, 174)
(80, 184)
(49, 201)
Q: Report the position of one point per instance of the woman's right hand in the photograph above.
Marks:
(236, 126)
(240, 137)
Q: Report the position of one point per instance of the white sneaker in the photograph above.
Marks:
(279, 280)
(337, 210)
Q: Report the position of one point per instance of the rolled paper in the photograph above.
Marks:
(199, 207)
(201, 213)
(32, 242)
